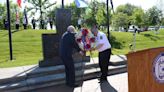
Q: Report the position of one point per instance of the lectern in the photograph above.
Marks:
(146, 70)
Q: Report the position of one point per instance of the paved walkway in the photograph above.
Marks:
(22, 70)
(116, 83)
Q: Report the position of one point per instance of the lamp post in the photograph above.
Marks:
(9, 29)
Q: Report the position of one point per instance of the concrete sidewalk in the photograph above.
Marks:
(116, 83)
(33, 77)
(23, 70)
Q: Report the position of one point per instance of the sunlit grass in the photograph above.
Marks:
(27, 45)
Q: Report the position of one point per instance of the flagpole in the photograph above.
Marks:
(62, 3)
(9, 30)
(107, 18)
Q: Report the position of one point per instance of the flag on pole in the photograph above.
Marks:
(19, 3)
(24, 1)
(17, 16)
(25, 17)
(81, 3)
(111, 2)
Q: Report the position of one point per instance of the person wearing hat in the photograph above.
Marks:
(67, 44)
(104, 48)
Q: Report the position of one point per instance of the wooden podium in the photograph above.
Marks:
(146, 70)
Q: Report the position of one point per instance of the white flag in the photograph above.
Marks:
(81, 3)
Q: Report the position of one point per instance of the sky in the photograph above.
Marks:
(144, 4)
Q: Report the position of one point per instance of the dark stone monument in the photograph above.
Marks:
(50, 42)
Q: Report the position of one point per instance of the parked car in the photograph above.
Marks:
(161, 27)
(144, 29)
(153, 28)
(133, 28)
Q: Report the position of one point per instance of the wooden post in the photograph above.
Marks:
(144, 68)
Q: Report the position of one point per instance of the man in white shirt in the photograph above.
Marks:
(104, 48)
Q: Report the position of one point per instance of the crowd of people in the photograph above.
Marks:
(43, 23)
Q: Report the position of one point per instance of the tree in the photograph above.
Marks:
(162, 21)
(90, 16)
(120, 20)
(96, 13)
(2, 10)
(126, 9)
(101, 14)
(137, 17)
(39, 5)
(154, 15)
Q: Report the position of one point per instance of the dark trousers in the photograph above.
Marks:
(104, 58)
(69, 70)
(51, 25)
(79, 26)
(33, 25)
(42, 26)
(25, 26)
(17, 27)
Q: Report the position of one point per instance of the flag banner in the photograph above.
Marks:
(24, 1)
(19, 3)
(25, 17)
(17, 16)
(81, 3)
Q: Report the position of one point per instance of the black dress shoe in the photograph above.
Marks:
(101, 80)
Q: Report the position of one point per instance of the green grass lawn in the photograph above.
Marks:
(144, 40)
(121, 40)
(27, 45)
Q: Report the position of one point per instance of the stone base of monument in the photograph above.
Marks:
(57, 61)
(50, 43)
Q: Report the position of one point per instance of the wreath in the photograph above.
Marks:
(85, 39)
